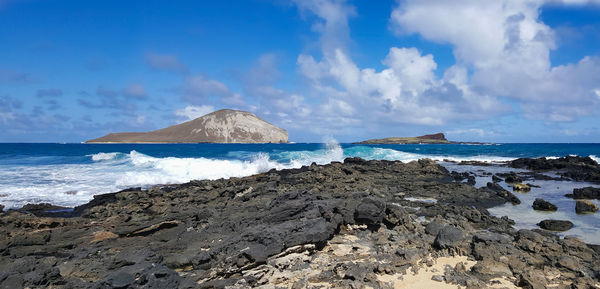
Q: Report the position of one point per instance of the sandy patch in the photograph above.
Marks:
(423, 277)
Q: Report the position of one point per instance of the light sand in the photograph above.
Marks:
(422, 279)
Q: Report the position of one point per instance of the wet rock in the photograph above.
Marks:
(556, 225)
(573, 167)
(447, 237)
(583, 207)
(496, 179)
(543, 205)
(518, 187)
(511, 178)
(500, 191)
(42, 209)
(586, 193)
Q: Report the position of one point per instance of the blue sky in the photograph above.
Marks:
(503, 71)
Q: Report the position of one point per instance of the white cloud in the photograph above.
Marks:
(470, 131)
(573, 2)
(507, 47)
(332, 23)
(192, 112)
(198, 88)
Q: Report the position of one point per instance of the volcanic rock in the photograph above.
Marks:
(555, 225)
(583, 207)
(511, 178)
(573, 167)
(543, 205)
(518, 187)
(586, 193)
(447, 237)
(345, 225)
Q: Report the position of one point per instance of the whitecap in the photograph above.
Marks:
(104, 156)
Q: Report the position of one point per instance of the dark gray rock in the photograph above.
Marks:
(573, 167)
(491, 237)
(500, 191)
(496, 179)
(447, 237)
(237, 232)
(584, 207)
(543, 205)
(511, 178)
(556, 225)
(586, 193)
(434, 227)
(370, 211)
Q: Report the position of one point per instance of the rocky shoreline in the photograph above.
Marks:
(357, 224)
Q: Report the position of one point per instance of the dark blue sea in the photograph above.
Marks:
(70, 174)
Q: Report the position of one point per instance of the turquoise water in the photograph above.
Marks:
(70, 174)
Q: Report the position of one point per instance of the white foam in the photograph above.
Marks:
(113, 171)
(595, 158)
(150, 170)
(104, 156)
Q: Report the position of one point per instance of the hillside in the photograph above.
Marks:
(222, 126)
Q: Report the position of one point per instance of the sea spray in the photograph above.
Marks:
(71, 174)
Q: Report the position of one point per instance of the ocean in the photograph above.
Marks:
(70, 174)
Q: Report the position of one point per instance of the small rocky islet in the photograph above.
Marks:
(356, 224)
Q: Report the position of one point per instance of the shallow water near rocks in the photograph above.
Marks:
(70, 174)
(586, 226)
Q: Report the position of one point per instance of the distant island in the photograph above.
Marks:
(437, 138)
(222, 126)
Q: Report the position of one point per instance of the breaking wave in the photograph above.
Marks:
(66, 181)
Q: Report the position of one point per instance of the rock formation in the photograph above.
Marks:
(430, 138)
(357, 224)
(222, 126)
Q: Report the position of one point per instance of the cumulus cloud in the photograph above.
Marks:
(165, 62)
(332, 22)
(405, 91)
(507, 47)
(198, 88)
(192, 112)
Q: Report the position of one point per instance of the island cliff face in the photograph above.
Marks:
(222, 126)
